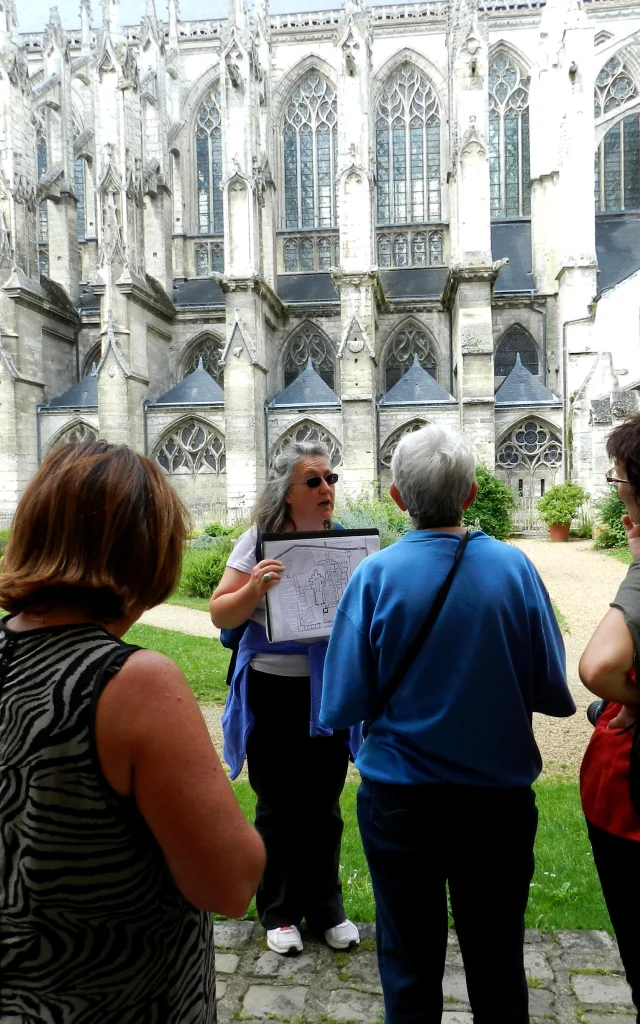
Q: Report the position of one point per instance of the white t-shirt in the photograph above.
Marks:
(243, 558)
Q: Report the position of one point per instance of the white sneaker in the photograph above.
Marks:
(343, 936)
(285, 940)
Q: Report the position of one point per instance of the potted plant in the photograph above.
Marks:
(558, 507)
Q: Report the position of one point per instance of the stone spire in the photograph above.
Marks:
(174, 18)
(238, 16)
(85, 21)
(8, 24)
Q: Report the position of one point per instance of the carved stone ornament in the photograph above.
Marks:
(111, 245)
(472, 140)
(355, 343)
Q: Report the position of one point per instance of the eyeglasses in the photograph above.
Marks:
(315, 481)
(615, 479)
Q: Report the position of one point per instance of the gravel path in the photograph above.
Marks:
(581, 582)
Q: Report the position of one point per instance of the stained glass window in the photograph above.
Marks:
(617, 167)
(209, 165)
(310, 151)
(436, 244)
(192, 448)
(532, 449)
(42, 164)
(208, 349)
(209, 257)
(515, 341)
(409, 342)
(308, 431)
(419, 249)
(389, 447)
(309, 343)
(80, 191)
(324, 254)
(408, 149)
(384, 251)
(509, 166)
(614, 86)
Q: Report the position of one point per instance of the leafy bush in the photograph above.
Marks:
(378, 514)
(4, 540)
(584, 531)
(202, 570)
(609, 512)
(492, 507)
(218, 530)
(560, 504)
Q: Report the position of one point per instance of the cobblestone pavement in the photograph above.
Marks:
(574, 978)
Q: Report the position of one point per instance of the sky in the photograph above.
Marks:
(34, 14)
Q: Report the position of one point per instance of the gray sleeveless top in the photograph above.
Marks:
(93, 929)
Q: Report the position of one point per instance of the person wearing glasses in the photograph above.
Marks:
(297, 767)
(607, 669)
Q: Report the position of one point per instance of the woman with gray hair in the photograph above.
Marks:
(447, 682)
(297, 767)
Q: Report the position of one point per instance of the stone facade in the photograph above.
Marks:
(367, 189)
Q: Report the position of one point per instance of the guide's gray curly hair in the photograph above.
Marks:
(271, 512)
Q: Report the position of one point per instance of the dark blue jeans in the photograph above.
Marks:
(479, 840)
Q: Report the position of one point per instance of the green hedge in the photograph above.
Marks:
(375, 513)
(492, 507)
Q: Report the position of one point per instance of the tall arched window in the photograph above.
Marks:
(310, 154)
(408, 149)
(412, 340)
(209, 350)
(509, 166)
(308, 343)
(529, 458)
(209, 164)
(193, 447)
(515, 341)
(42, 165)
(79, 187)
(617, 164)
(309, 431)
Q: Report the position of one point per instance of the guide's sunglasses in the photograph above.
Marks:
(315, 481)
(615, 479)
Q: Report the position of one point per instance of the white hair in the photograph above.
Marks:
(434, 470)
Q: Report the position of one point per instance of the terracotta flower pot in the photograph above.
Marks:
(559, 532)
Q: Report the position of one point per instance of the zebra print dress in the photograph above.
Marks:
(93, 929)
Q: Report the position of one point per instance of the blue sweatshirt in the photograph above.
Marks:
(462, 714)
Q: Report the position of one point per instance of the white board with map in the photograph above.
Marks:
(318, 568)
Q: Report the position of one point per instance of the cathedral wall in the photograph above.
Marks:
(159, 344)
(617, 328)
(59, 363)
(56, 422)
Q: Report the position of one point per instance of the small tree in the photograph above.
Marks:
(560, 504)
(492, 507)
(609, 510)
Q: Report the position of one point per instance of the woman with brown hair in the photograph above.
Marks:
(119, 831)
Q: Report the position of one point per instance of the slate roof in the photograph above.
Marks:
(522, 388)
(308, 389)
(83, 395)
(417, 387)
(198, 388)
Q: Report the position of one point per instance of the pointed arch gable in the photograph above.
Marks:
(298, 71)
(514, 53)
(308, 341)
(409, 324)
(205, 344)
(308, 428)
(86, 431)
(189, 446)
(93, 355)
(516, 340)
(408, 55)
(394, 435)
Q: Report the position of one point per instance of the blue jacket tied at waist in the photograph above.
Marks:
(238, 720)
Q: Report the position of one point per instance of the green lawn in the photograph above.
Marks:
(201, 603)
(203, 661)
(562, 619)
(620, 554)
(565, 892)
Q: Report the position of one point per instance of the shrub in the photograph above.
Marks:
(609, 512)
(218, 530)
(560, 504)
(584, 531)
(4, 540)
(378, 514)
(202, 571)
(493, 506)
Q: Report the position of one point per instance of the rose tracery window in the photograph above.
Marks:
(408, 149)
(614, 86)
(389, 448)
(192, 448)
(515, 341)
(307, 431)
(617, 161)
(411, 341)
(308, 343)
(531, 453)
(209, 351)
(509, 164)
(209, 164)
(310, 138)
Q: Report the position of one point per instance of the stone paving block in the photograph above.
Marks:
(227, 963)
(221, 988)
(272, 965)
(346, 1004)
(589, 949)
(280, 1001)
(454, 986)
(608, 1018)
(597, 988)
(532, 935)
(541, 1002)
(536, 965)
(367, 931)
(456, 1018)
(362, 969)
(232, 934)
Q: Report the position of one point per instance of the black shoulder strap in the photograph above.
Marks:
(258, 544)
(421, 636)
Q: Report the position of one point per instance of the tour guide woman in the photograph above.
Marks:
(297, 767)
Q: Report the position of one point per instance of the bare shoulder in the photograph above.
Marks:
(148, 679)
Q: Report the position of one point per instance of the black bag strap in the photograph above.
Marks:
(421, 636)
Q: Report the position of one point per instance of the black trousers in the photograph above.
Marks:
(617, 862)
(479, 840)
(298, 781)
